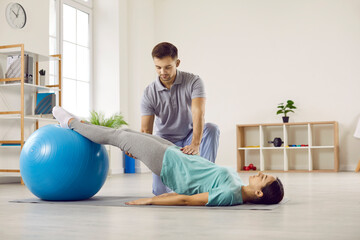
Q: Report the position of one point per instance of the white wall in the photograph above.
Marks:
(252, 55)
(123, 40)
(122, 59)
(35, 34)
(140, 43)
(106, 51)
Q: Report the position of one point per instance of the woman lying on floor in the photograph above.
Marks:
(194, 180)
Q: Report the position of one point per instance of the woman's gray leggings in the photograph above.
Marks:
(147, 148)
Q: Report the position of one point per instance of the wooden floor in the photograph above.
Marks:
(321, 206)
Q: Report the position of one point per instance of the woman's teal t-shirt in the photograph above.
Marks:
(192, 174)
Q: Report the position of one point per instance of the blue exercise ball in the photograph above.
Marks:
(59, 164)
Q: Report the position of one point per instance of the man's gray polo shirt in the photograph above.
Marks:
(172, 107)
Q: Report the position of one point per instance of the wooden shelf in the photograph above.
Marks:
(9, 79)
(10, 147)
(249, 148)
(285, 124)
(11, 141)
(292, 171)
(282, 148)
(29, 117)
(31, 87)
(266, 154)
(314, 147)
(22, 89)
(37, 57)
(10, 170)
(272, 148)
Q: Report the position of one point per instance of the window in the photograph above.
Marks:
(53, 41)
(75, 44)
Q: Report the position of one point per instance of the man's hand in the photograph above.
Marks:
(192, 149)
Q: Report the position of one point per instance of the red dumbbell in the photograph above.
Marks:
(250, 167)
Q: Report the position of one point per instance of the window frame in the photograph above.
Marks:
(88, 4)
(87, 9)
(57, 10)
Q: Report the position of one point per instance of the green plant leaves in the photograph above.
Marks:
(115, 121)
(287, 108)
(95, 118)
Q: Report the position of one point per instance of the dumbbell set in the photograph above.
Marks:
(250, 167)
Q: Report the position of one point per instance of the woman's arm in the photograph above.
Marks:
(174, 199)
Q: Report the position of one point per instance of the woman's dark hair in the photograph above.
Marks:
(165, 49)
(272, 193)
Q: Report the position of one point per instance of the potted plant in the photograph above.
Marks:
(115, 121)
(284, 109)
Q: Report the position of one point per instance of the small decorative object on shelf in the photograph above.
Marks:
(11, 144)
(42, 77)
(45, 103)
(284, 109)
(294, 145)
(13, 68)
(250, 167)
(277, 142)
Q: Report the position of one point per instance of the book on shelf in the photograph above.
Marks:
(13, 68)
(45, 103)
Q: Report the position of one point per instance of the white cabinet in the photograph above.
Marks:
(308, 146)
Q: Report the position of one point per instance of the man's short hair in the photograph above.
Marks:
(272, 193)
(164, 49)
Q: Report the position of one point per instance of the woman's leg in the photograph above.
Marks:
(158, 186)
(157, 138)
(161, 140)
(144, 147)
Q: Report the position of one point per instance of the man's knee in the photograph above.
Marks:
(158, 186)
(212, 129)
(158, 191)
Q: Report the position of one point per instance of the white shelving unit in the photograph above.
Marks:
(29, 117)
(30, 88)
(22, 90)
(312, 140)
